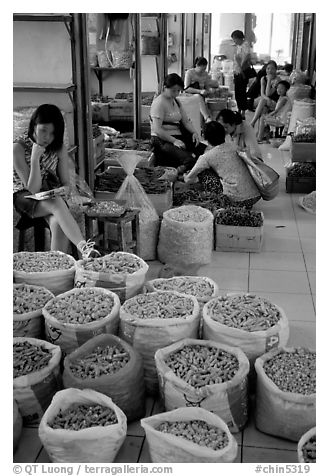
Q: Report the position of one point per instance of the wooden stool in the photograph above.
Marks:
(102, 239)
(39, 225)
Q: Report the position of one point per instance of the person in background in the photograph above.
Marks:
(268, 94)
(198, 81)
(286, 71)
(173, 138)
(253, 91)
(239, 189)
(278, 117)
(41, 163)
(242, 70)
(239, 131)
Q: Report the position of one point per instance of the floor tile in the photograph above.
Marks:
(278, 281)
(310, 261)
(275, 242)
(312, 280)
(297, 307)
(226, 278)
(130, 450)
(306, 230)
(228, 259)
(255, 438)
(266, 455)
(29, 446)
(273, 260)
(281, 228)
(43, 457)
(134, 428)
(308, 244)
(302, 334)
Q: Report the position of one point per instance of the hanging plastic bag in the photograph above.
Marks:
(132, 192)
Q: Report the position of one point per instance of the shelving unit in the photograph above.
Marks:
(99, 72)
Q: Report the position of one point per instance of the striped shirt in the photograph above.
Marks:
(48, 161)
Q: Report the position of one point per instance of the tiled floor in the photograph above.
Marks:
(284, 272)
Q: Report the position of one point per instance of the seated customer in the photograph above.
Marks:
(238, 185)
(173, 138)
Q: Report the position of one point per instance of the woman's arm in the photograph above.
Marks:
(190, 80)
(282, 101)
(63, 167)
(201, 164)
(30, 176)
(263, 87)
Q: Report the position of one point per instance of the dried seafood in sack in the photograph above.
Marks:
(28, 301)
(186, 236)
(248, 321)
(202, 288)
(205, 374)
(77, 315)
(82, 426)
(306, 448)
(189, 435)
(286, 392)
(154, 320)
(109, 365)
(52, 269)
(119, 263)
(36, 375)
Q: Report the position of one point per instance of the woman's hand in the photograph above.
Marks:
(37, 151)
(187, 179)
(179, 143)
(195, 138)
(203, 92)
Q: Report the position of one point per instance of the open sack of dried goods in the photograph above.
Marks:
(52, 269)
(309, 202)
(286, 392)
(306, 448)
(250, 322)
(17, 425)
(76, 316)
(154, 320)
(36, 376)
(28, 301)
(121, 272)
(132, 192)
(82, 426)
(111, 366)
(199, 373)
(189, 435)
(186, 236)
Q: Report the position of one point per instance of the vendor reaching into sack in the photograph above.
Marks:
(238, 185)
(41, 163)
(173, 138)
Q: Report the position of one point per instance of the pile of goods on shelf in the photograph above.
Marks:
(96, 131)
(125, 141)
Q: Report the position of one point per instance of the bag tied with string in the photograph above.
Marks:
(132, 192)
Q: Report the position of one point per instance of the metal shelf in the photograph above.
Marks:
(47, 87)
(42, 17)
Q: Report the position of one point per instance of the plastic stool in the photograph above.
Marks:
(39, 225)
(104, 242)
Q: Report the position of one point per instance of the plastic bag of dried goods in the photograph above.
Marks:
(28, 301)
(301, 109)
(123, 273)
(306, 448)
(94, 444)
(153, 320)
(245, 320)
(111, 366)
(186, 236)
(305, 130)
(17, 426)
(36, 376)
(132, 192)
(286, 393)
(308, 202)
(52, 269)
(167, 446)
(200, 373)
(76, 316)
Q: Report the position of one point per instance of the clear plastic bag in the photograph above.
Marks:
(80, 192)
(305, 130)
(132, 192)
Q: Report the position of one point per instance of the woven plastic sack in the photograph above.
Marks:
(124, 284)
(301, 109)
(30, 324)
(33, 392)
(300, 91)
(132, 192)
(186, 242)
(167, 448)
(99, 444)
(253, 344)
(57, 281)
(17, 426)
(125, 387)
(71, 336)
(283, 414)
(148, 335)
(228, 400)
(304, 439)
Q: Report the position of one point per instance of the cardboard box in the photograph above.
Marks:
(300, 184)
(303, 152)
(99, 149)
(238, 238)
(121, 109)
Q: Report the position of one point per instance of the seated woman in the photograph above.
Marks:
(239, 131)
(278, 117)
(41, 163)
(198, 81)
(239, 188)
(173, 138)
(268, 94)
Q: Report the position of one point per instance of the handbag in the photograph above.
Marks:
(265, 178)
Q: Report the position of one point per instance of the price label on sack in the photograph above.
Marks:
(272, 342)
